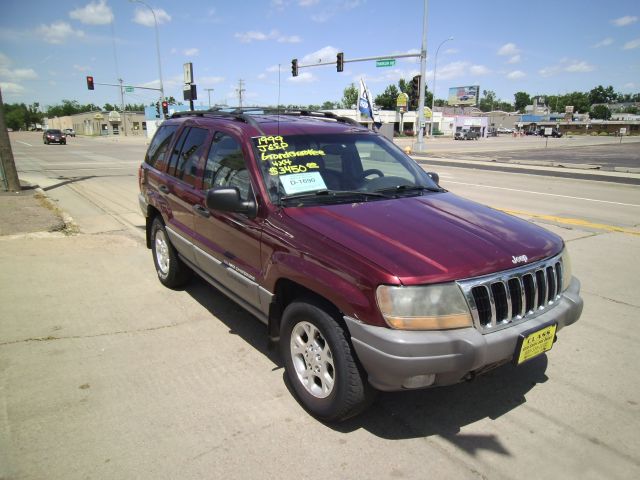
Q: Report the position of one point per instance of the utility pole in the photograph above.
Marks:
(240, 91)
(209, 90)
(7, 163)
(124, 117)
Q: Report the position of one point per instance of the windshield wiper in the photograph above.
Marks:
(332, 194)
(399, 189)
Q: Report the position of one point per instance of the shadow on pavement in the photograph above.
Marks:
(442, 411)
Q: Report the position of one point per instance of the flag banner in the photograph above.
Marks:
(365, 104)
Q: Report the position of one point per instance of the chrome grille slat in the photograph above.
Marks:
(499, 300)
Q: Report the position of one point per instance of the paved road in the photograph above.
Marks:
(106, 374)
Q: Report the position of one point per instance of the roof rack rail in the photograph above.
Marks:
(311, 113)
(217, 112)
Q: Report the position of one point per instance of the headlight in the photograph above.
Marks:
(567, 273)
(427, 307)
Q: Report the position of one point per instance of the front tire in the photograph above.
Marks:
(320, 363)
(172, 272)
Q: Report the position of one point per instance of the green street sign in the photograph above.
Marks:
(387, 62)
(128, 89)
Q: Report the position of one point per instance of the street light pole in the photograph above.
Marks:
(155, 21)
(433, 96)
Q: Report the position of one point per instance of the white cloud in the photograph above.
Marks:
(4, 60)
(579, 67)
(273, 68)
(143, 16)
(95, 13)
(304, 77)
(326, 54)
(307, 3)
(548, 71)
(479, 70)
(191, 52)
(630, 85)
(81, 68)
(17, 74)
(58, 32)
(452, 70)
(514, 59)
(257, 36)
(624, 21)
(516, 75)
(262, 76)
(451, 51)
(508, 49)
(291, 39)
(632, 44)
(322, 17)
(10, 87)
(604, 43)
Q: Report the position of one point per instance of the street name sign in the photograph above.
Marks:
(387, 62)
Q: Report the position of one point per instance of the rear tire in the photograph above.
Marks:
(320, 363)
(172, 272)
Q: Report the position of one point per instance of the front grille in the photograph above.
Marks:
(503, 299)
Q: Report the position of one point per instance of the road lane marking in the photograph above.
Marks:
(547, 194)
(24, 143)
(576, 222)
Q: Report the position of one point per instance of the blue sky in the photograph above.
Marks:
(47, 48)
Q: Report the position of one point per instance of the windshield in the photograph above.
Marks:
(54, 131)
(314, 169)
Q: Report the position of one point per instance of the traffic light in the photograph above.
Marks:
(165, 107)
(90, 83)
(340, 62)
(294, 67)
(158, 109)
(415, 87)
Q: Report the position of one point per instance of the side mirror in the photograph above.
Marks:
(435, 177)
(227, 199)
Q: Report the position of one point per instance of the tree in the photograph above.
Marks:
(631, 109)
(487, 101)
(602, 95)
(387, 100)
(328, 105)
(522, 99)
(601, 112)
(15, 119)
(350, 96)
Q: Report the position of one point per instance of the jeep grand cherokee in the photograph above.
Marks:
(368, 274)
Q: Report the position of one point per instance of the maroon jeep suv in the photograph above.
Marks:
(368, 274)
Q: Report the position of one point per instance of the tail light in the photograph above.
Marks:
(142, 173)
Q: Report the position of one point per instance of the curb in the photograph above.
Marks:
(70, 226)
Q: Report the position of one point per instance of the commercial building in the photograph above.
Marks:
(101, 123)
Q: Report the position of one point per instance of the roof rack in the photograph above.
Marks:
(247, 114)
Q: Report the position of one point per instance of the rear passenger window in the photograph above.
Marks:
(159, 146)
(187, 152)
(225, 166)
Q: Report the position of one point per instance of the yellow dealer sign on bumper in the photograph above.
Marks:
(532, 344)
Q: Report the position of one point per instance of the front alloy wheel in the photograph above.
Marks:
(312, 359)
(320, 363)
(172, 272)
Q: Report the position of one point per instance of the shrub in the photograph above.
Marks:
(604, 134)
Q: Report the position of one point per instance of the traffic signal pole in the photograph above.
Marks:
(423, 71)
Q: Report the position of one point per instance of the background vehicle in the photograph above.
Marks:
(368, 274)
(466, 135)
(53, 135)
(70, 132)
(555, 133)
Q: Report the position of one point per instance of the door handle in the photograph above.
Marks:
(163, 189)
(200, 210)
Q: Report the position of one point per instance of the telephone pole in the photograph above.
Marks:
(209, 90)
(7, 163)
(240, 91)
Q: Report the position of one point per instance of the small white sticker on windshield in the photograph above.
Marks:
(302, 182)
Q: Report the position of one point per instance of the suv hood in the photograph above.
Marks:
(432, 238)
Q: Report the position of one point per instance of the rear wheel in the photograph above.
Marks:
(320, 363)
(172, 272)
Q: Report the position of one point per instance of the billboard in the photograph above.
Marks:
(467, 95)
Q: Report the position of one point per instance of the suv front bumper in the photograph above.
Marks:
(393, 358)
